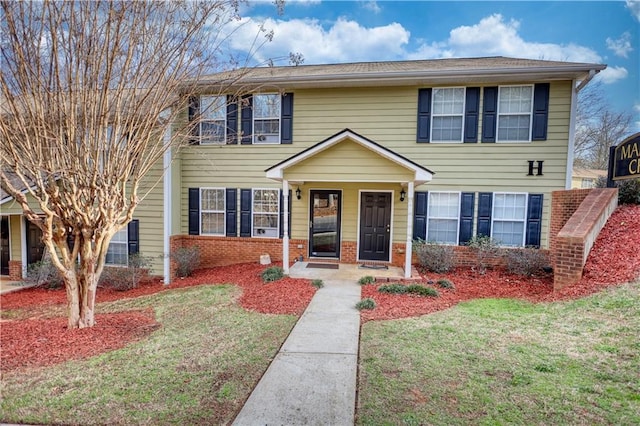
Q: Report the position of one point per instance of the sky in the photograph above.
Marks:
(604, 32)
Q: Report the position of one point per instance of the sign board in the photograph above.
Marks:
(624, 159)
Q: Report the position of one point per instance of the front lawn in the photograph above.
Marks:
(505, 361)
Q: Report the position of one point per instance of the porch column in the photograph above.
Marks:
(409, 247)
(285, 227)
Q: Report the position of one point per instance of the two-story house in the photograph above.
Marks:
(352, 162)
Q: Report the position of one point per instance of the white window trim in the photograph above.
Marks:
(224, 210)
(279, 118)
(429, 204)
(126, 244)
(204, 141)
(498, 114)
(524, 220)
(253, 212)
(433, 115)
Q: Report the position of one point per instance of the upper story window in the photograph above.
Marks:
(118, 251)
(515, 105)
(448, 114)
(443, 217)
(266, 118)
(213, 124)
(509, 218)
(265, 213)
(212, 211)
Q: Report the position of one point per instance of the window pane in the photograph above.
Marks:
(513, 128)
(515, 100)
(266, 106)
(509, 206)
(213, 199)
(447, 129)
(508, 233)
(118, 251)
(212, 223)
(213, 131)
(213, 107)
(448, 101)
(443, 231)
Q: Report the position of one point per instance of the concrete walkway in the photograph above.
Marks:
(312, 380)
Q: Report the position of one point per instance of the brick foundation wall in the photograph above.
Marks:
(15, 270)
(574, 241)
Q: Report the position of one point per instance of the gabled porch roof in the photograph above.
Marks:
(418, 173)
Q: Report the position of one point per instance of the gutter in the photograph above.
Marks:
(592, 73)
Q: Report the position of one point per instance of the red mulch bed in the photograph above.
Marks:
(615, 258)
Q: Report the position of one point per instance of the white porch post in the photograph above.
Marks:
(285, 226)
(409, 247)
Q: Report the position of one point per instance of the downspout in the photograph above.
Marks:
(572, 135)
(167, 207)
(285, 227)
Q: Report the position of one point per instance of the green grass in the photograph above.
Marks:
(492, 362)
(198, 368)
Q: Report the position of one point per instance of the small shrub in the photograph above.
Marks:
(420, 290)
(444, 283)
(628, 190)
(43, 273)
(187, 260)
(274, 273)
(367, 279)
(367, 303)
(438, 258)
(123, 278)
(317, 283)
(486, 249)
(525, 261)
(394, 288)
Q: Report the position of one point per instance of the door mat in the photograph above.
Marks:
(373, 266)
(323, 265)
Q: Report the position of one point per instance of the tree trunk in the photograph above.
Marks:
(81, 285)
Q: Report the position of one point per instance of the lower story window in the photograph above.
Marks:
(118, 251)
(443, 217)
(509, 218)
(266, 213)
(212, 211)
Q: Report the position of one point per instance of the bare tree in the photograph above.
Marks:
(598, 127)
(89, 91)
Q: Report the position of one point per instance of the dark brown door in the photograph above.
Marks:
(35, 247)
(4, 245)
(324, 223)
(375, 225)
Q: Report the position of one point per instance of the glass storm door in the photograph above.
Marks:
(324, 223)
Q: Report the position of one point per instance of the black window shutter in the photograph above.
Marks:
(282, 214)
(471, 114)
(466, 217)
(424, 115)
(534, 220)
(286, 124)
(489, 114)
(540, 111)
(485, 209)
(246, 120)
(194, 211)
(232, 122)
(231, 212)
(194, 112)
(245, 212)
(133, 235)
(420, 215)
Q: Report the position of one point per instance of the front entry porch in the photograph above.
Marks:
(350, 271)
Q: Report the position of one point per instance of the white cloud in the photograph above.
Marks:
(612, 74)
(344, 41)
(372, 6)
(622, 46)
(636, 107)
(493, 36)
(634, 8)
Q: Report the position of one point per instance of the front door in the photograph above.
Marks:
(35, 247)
(375, 226)
(4, 245)
(324, 223)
